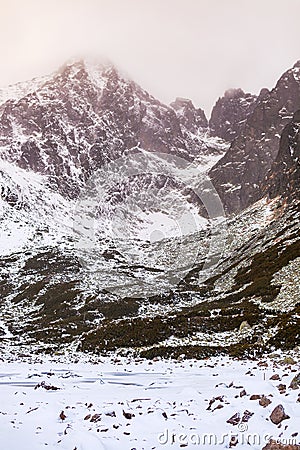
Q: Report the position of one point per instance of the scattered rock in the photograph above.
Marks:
(278, 415)
(282, 388)
(255, 397)
(247, 415)
(219, 406)
(264, 401)
(128, 415)
(213, 400)
(95, 418)
(275, 377)
(273, 445)
(111, 414)
(262, 364)
(48, 387)
(235, 419)
(62, 416)
(295, 383)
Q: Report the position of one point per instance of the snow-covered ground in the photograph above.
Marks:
(136, 404)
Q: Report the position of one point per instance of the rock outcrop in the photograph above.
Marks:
(239, 176)
(230, 113)
(284, 176)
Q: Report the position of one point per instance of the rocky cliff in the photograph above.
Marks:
(239, 176)
(230, 113)
(284, 176)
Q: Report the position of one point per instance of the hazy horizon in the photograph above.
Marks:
(193, 49)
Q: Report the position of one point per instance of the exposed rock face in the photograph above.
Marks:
(230, 112)
(284, 176)
(295, 383)
(84, 116)
(239, 176)
(191, 118)
(196, 134)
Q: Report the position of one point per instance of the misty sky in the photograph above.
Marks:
(187, 48)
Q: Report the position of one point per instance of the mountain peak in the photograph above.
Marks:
(190, 117)
(181, 102)
(296, 65)
(230, 112)
(89, 68)
(76, 64)
(234, 93)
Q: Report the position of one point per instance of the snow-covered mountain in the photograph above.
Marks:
(240, 174)
(89, 124)
(85, 116)
(114, 236)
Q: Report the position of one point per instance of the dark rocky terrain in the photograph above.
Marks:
(230, 113)
(284, 176)
(239, 175)
(191, 119)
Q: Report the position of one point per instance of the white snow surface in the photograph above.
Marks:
(40, 208)
(166, 404)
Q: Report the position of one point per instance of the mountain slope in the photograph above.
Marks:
(83, 117)
(102, 254)
(283, 178)
(58, 299)
(239, 175)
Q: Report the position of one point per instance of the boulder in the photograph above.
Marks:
(295, 383)
(278, 415)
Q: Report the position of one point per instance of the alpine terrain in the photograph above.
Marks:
(129, 225)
